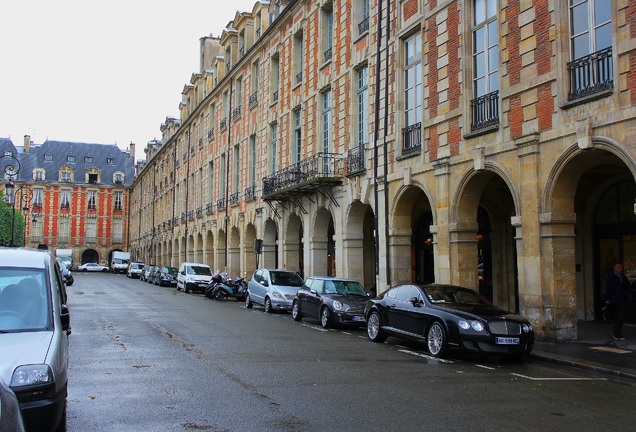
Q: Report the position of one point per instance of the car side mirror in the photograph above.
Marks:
(183, 272)
(313, 291)
(65, 317)
(264, 283)
(416, 302)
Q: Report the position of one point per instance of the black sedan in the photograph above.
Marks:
(164, 276)
(447, 316)
(332, 301)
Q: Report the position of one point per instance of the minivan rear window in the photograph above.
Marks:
(198, 270)
(24, 300)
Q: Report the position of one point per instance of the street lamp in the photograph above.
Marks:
(11, 169)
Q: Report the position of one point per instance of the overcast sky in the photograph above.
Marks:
(100, 72)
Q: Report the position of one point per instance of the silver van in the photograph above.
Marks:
(34, 330)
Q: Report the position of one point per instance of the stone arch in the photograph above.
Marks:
(251, 259)
(323, 245)
(209, 249)
(234, 252)
(293, 249)
(270, 244)
(359, 247)
(221, 250)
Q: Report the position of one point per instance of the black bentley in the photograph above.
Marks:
(447, 316)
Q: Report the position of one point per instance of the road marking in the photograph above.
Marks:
(426, 356)
(314, 327)
(557, 379)
(485, 367)
(610, 349)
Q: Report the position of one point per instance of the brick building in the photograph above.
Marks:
(72, 195)
(483, 143)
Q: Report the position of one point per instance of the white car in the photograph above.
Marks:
(34, 331)
(94, 267)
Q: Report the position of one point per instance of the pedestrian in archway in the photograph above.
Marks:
(617, 287)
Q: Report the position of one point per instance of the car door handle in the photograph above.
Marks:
(393, 306)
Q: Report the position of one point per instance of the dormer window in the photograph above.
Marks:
(38, 174)
(70, 159)
(48, 158)
(118, 178)
(110, 161)
(88, 159)
(65, 177)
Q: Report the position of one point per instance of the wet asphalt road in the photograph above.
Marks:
(145, 358)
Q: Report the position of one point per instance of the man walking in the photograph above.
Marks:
(616, 289)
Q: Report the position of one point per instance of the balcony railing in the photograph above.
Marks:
(90, 239)
(363, 26)
(299, 77)
(36, 238)
(210, 134)
(328, 54)
(485, 111)
(355, 160)
(117, 239)
(591, 74)
(253, 99)
(190, 215)
(249, 194)
(199, 212)
(234, 198)
(412, 138)
(223, 124)
(183, 217)
(305, 176)
(200, 142)
(236, 112)
(209, 208)
(275, 96)
(220, 204)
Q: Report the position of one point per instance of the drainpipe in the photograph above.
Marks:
(187, 190)
(386, 125)
(376, 132)
(227, 171)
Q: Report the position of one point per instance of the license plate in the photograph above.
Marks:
(358, 318)
(507, 341)
(202, 285)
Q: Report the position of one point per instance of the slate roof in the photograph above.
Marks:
(59, 150)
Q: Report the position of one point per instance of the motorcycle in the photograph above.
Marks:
(221, 287)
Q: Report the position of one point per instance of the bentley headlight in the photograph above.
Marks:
(464, 324)
(337, 305)
(31, 374)
(475, 325)
(526, 327)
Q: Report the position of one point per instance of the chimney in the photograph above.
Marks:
(132, 150)
(27, 143)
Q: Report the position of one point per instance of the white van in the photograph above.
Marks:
(34, 329)
(193, 277)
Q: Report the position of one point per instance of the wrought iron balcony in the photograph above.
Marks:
(253, 99)
(220, 204)
(591, 74)
(275, 96)
(363, 26)
(304, 177)
(249, 194)
(199, 212)
(183, 217)
(223, 124)
(190, 215)
(234, 198)
(209, 208)
(485, 111)
(328, 54)
(117, 240)
(210, 134)
(90, 239)
(236, 112)
(200, 142)
(355, 160)
(412, 138)
(299, 77)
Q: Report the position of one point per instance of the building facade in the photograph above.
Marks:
(483, 143)
(72, 195)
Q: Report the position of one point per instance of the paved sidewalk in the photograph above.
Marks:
(595, 350)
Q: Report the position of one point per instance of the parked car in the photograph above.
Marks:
(135, 270)
(34, 330)
(92, 267)
(447, 316)
(274, 289)
(165, 276)
(193, 277)
(145, 275)
(332, 301)
(67, 274)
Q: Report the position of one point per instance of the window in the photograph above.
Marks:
(118, 200)
(48, 158)
(485, 105)
(118, 231)
(118, 178)
(91, 200)
(326, 121)
(362, 105)
(64, 228)
(212, 121)
(37, 197)
(363, 24)
(88, 159)
(8, 153)
(327, 31)
(70, 159)
(274, 144)
(110, 161)
(224, 109)
(92, 178)
(254, 95)
(65, 177)
(257, 27)
(298, 57)
(242, 43)
(91, 230)
(223, 171)
(591, 70)
(411, 133)
(297, 136)
(275, 77)
(65, 198)
(239, 98)
(38, 175)
(253, 160)
(210, 182)
(237, 167)
(200, 191)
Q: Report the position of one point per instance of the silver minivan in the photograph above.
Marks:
(272, 288)
(34, 330)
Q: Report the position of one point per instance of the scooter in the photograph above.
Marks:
(228, 287)
(217, 278)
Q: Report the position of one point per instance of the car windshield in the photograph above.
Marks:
(172, 271)
(285, 278)
(198, 270)
(455, 295)
(23, 300)
(344, 288)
